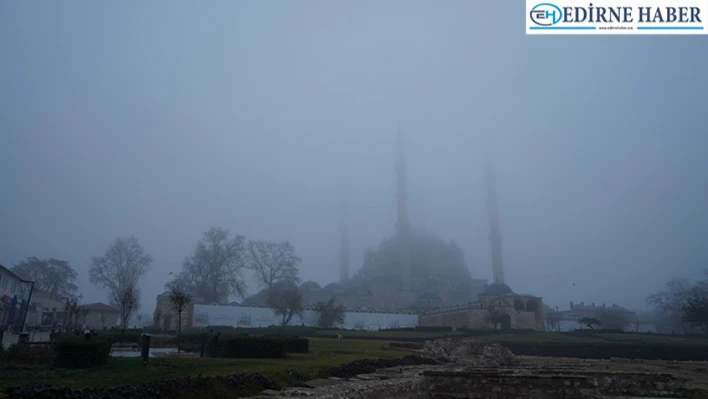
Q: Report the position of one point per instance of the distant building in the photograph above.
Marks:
(412, 272)
(98, 316)
(166, 318)
(13, 298)
(46, 310)
(498, 307)
(612, 317)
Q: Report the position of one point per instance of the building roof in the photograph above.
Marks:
(333, 286)
(10, 272)
(497, 289)
(100, 307)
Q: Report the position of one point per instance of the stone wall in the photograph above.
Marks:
(477, 318)
(467, 318)
(168, 318)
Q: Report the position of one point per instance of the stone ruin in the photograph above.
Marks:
(469, 353)
(479, 370)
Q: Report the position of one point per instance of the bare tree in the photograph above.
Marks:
(590, 322)
(553, 320)
(70, 310)
(214, 271)
(179, 299)
(156, 317)
(272, 262)
(670, 302)
(286, 302)
(331, 313)
(102, 318)
(83, 311)
(119, 271)
(49, 275)
(612, 319)
(127, 301)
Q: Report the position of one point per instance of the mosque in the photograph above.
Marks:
(416, 271)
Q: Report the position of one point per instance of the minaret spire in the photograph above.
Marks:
(344, 238)
(494, 231)
(402, 226)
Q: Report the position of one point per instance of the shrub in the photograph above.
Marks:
(28, 353)
(79, 352)
(254, 347)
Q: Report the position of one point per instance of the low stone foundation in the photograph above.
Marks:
(546, 384)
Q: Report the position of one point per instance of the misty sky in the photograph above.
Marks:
(162, 119)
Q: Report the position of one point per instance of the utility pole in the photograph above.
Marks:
(29, 301)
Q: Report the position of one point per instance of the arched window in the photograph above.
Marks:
(532, 306)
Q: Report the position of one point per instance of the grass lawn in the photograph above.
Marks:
(129, 371)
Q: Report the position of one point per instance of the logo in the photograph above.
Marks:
(617, 17)
(244, 320)
(546, 14)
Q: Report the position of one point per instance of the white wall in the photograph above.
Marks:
(243, 316)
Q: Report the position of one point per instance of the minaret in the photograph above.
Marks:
(344, 239)
(494, 231)
(402, 226)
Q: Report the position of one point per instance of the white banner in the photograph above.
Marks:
(246, 316)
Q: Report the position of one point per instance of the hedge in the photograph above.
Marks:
(254, 347)
(608, 350)
(296, 344)
(28, 353)
(426, 328)
(79, 352)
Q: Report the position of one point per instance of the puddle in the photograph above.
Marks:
(154, 352)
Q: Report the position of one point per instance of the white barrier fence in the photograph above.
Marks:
(245, 316)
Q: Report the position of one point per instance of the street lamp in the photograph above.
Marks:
(29, 301)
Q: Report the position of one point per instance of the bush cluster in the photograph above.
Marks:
(296, 344)
(79, 352)
(28, 353)
(255, 347)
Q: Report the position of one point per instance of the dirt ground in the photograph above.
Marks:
(695, 372)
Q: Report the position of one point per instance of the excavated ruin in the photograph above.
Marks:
(476, 370)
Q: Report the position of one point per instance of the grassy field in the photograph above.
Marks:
(129, 371)
(324, 352)
(589, 337)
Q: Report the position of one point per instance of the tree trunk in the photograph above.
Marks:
(179, 331)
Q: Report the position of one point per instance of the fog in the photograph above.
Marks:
(163, 119)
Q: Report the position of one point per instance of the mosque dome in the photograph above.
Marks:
(428, 294)
(310, 286)
(284, 284)
(431, 259)
(333, 287)
(497, 289)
